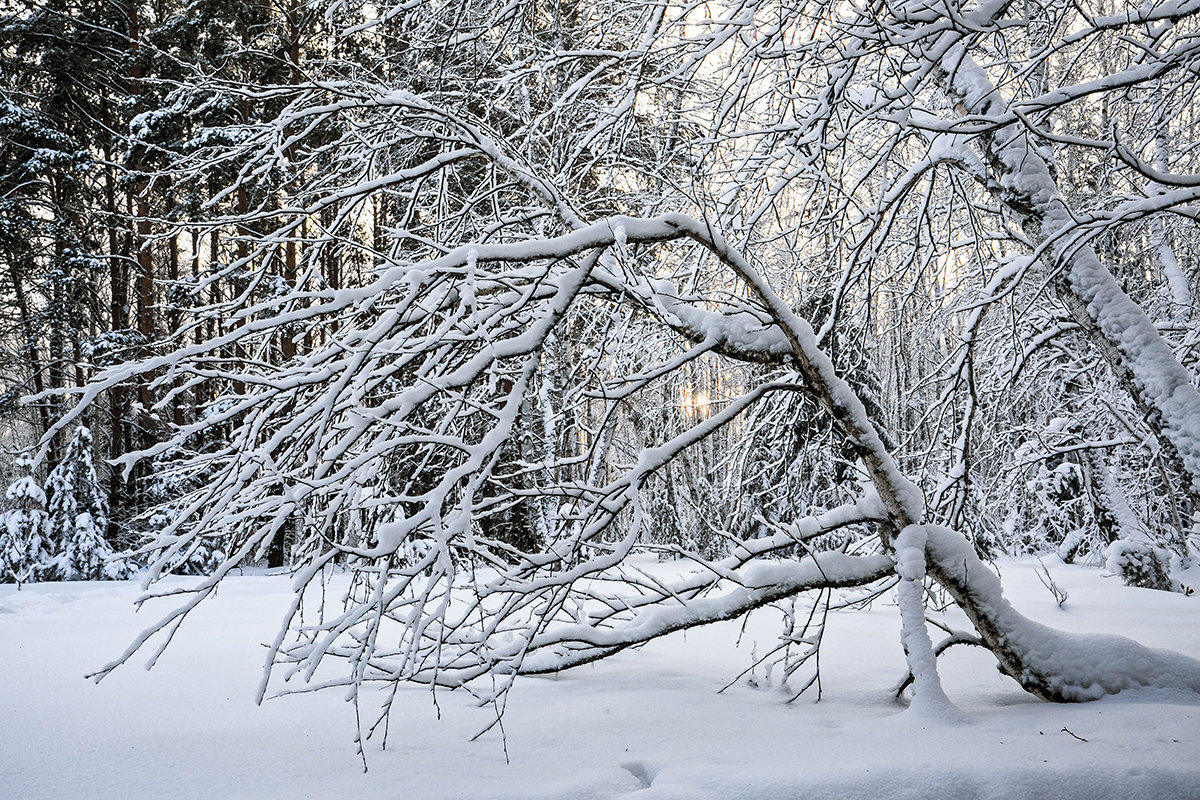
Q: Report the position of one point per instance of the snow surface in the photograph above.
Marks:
(645, 724)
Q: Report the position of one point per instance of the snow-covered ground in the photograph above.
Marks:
(645, 724)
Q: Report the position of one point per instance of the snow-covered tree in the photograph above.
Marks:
(23, 527)
(169, 485)
(77, 518)
(475, 605)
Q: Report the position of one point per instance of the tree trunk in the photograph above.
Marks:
(1123, 335)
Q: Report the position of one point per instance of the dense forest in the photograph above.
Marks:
(501, 291)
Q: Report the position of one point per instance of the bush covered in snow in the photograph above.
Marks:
(1140, 564)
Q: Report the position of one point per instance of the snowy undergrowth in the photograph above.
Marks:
(645, 724)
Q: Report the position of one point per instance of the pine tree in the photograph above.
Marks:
(168, 485)
(79, 516)
(23, 527)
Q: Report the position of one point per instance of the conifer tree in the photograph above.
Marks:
(23, 527)
(79, 516)
(168, 485)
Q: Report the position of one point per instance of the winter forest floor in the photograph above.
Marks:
(646, 724)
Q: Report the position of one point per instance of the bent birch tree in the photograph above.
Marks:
(470, 327)
(465, 429)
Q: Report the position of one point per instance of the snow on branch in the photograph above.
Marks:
(1118, 326)
(388, 450)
